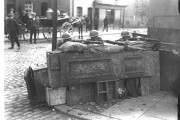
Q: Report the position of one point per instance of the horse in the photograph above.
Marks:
(78, 23)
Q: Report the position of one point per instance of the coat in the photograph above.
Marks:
(33, 23)
(12, 25)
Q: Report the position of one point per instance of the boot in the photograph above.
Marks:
(11, 48)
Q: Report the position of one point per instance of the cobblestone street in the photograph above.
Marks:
(17, 105)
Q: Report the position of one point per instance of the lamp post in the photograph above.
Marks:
(54, 40)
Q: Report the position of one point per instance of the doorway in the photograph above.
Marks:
(44, 7)
(96, 19)
(90, 14)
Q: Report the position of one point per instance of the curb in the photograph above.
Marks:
(81, 114)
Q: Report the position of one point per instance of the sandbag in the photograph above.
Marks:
(106, 48)
(72, 47)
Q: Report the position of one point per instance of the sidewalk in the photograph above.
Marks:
(159, 106)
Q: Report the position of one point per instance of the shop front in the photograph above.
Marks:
(114, 12)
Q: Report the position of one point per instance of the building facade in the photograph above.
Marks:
(98, 8)
(92, 8)
(38, 6)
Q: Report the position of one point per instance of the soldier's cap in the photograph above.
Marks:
(125, 34)
(66, 36)
(93, 33)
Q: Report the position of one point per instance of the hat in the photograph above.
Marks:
(66, 36)
(94, 33)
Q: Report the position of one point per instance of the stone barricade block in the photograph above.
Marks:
(41, 74)
(56, 96)
(68, 69)
(54, 68)
(150, 84)
(35, 77)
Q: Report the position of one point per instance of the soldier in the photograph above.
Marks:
(65, 38)
(88, 23)
(94, 36)
(124, 35)
(33, 26)
(13, 31)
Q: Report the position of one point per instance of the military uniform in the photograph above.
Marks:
(94, 36)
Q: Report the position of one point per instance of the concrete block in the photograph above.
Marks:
(150, 85)
(56, 96)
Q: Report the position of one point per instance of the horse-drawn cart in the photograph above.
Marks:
(64, 25)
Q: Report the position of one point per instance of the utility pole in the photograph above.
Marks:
(54, 40)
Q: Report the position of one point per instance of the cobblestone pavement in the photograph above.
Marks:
(17, 106)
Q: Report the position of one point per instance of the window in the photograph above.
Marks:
(28, 7)
(79, 11)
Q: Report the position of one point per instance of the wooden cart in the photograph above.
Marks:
(64, 25)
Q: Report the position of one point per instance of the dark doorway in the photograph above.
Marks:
(9, 6)
(44, 7)
(96, 19)
(90, 13)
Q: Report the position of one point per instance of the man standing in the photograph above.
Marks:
(88, 23)
(105, 24)
(33, 26)
(96, 23)
(25, 18)
(13, 31)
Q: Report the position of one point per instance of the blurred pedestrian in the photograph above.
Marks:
(13, 31)
(105, 24)
(25, 18)
(5, 26)
(88, 23)
(80, 27)
(96, 23)
(33, 26)
(11, 11)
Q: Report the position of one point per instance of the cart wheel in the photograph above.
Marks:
(47, 33)
(66, 28)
